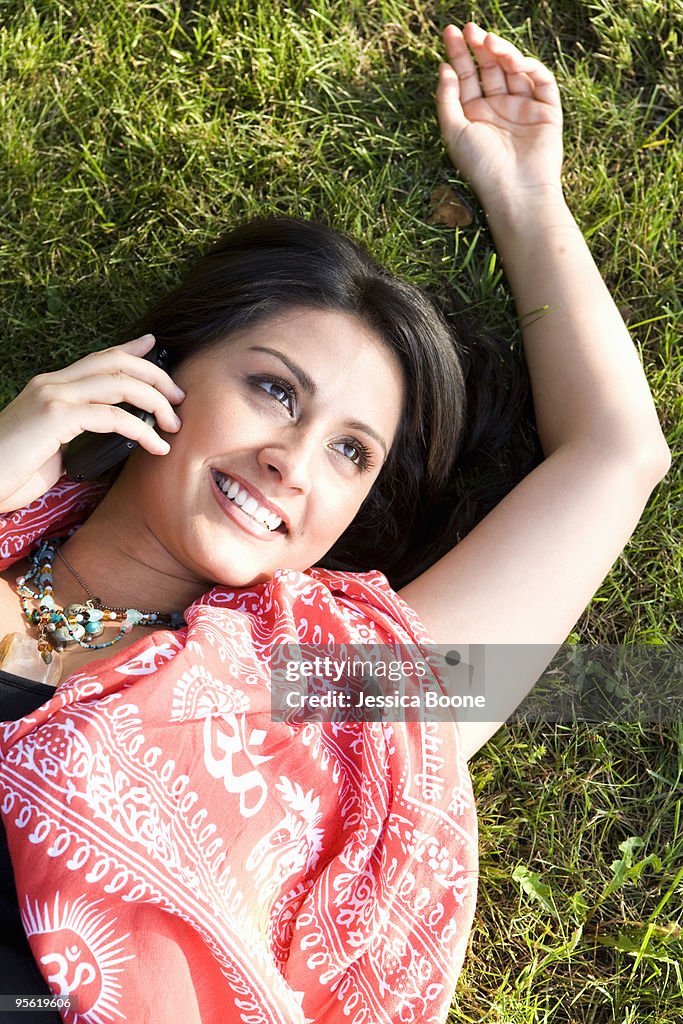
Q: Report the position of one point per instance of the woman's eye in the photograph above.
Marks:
(356, 453)
(280, 391)
(351, 451)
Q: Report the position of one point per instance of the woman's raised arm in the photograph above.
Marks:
(528, 570)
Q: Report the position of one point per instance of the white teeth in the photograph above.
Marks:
(248, 503)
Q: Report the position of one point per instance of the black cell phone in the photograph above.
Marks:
(89, 455)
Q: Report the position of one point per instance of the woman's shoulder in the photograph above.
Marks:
(371, 596)
(318, 607)
(364, 601)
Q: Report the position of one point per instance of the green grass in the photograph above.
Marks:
(134, 133)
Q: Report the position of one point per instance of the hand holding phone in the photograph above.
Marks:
(90, 454)
(110, 398)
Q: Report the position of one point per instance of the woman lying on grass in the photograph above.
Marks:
(180, 855)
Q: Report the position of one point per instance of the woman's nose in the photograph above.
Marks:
(292, 462)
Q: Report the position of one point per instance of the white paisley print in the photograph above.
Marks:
(181, 858)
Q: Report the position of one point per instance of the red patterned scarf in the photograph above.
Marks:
(181, 858)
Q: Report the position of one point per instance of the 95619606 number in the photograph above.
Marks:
(28, 1002)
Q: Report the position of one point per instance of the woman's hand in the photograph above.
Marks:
(54, 407)
(501, 119)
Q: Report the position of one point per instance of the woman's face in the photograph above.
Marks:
(299, 412)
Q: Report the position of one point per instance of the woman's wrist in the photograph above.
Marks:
(519, 221)
(519, 205)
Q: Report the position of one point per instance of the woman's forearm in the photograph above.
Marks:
(586, 377)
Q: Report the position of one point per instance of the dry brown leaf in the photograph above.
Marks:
(449, 208)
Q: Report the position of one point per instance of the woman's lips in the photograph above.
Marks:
(252, 491)
(234, 512)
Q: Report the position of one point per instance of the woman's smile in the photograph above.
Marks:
(242, 506)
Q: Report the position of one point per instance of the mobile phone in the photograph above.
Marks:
(90, 454)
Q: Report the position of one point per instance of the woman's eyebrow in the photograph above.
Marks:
(310, 387)
(307, 383)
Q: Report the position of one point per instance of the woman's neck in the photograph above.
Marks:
(123, 563)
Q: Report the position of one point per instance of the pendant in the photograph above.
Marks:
(19, 654)
(90, 621)
(72, 635)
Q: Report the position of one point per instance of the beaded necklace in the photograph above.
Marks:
(78, 623)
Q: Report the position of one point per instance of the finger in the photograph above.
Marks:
(543, 81)
(140, 346)
(513, 61)
(110, 389)
(519, 84)
(491, 74)
(460, 60)
(449, 109)
(110, 419)
(120, 358)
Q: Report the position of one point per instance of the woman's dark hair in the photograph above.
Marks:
(466, 392)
